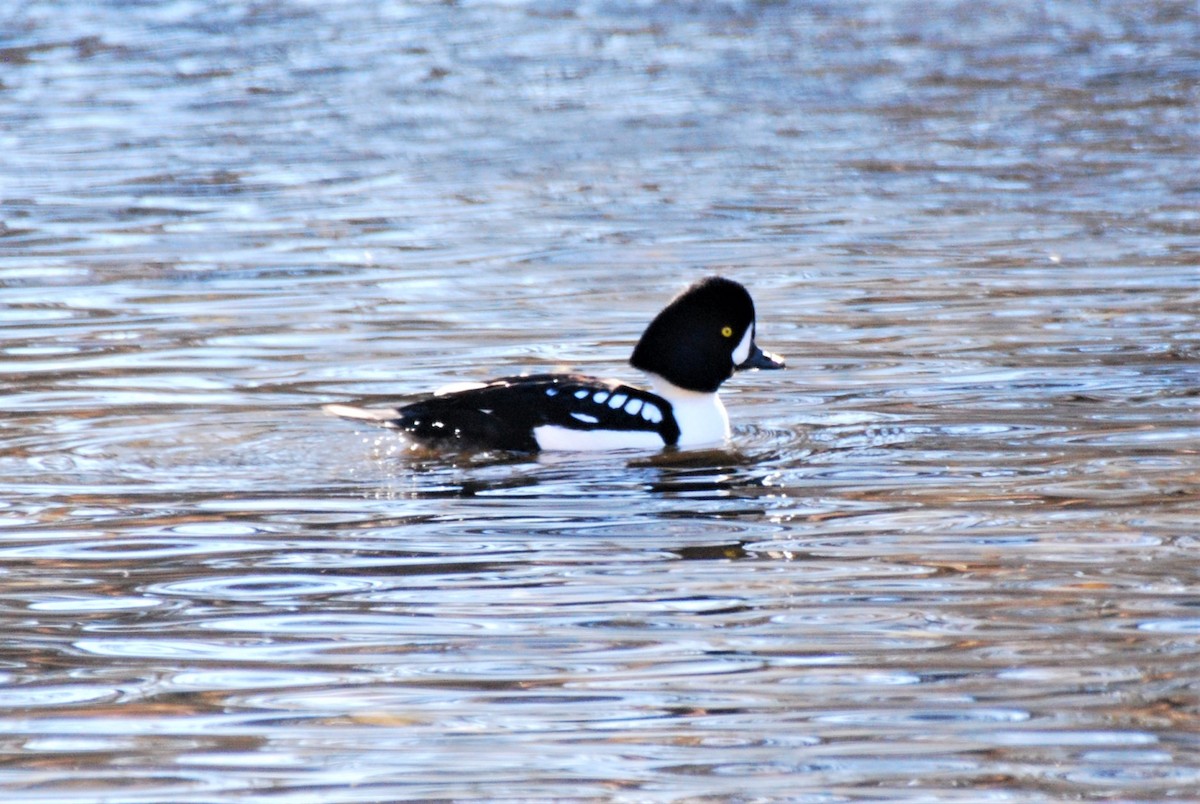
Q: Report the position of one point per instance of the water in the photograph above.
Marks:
(950, 555)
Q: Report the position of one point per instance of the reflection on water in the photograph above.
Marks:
(950, 553)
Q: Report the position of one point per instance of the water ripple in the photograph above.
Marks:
(262, 587)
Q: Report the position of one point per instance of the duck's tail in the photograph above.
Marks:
(383, 417)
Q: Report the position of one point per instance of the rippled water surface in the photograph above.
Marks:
(951, 554)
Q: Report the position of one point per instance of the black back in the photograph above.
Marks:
(503, 413)
(686, 343)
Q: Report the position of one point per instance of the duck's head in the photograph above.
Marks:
(703, 336)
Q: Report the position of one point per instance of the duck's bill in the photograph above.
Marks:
(759, 359)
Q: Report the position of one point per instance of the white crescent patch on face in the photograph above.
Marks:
(743, 348)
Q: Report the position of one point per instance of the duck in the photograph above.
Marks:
(696, 343)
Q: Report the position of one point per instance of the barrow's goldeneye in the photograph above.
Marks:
(696, 343)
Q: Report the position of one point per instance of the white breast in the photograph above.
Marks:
(701, 416)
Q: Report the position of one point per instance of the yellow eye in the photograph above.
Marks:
(727, 332)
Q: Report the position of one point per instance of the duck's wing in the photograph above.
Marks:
(507, 413)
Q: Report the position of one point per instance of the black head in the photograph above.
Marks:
(702, 336)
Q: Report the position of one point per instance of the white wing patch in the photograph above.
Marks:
(617, 400)
(599, 397)
(633, 407)
(586, 418)
(651, 413)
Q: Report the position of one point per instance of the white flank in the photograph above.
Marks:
(553, 437)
